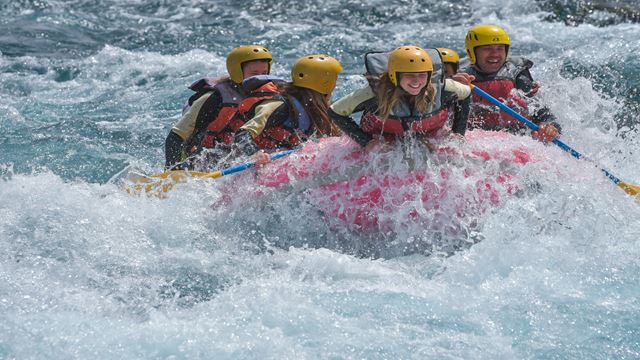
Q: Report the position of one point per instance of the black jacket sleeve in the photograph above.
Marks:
(525, 82)
(545, 115)
(349, 127)
(280, 115)
(208, 112)
(173, 146)
(243, 141)
(461, 115)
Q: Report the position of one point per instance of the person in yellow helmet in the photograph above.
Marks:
(208, 118)
(450, 61)
(505, 77)
(404, 96)
(294, 112)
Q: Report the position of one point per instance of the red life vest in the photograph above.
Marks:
(502, 86)
(278, 137)
(393, 126)
(285, 136)
(396, 125)
(226, 123)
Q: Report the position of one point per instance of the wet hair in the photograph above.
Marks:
(316, 106)
(388, 96)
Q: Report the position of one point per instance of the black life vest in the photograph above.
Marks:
(218, 128)
(502, 86)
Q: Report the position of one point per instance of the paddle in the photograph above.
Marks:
(628, 188)
(163, 182)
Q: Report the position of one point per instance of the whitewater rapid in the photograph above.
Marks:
(87, 270)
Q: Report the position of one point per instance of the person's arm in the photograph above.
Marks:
(460, 101)
(243, 141)
(173, 149)
(183, 131)
(350, 128)
(461, 111)
(206, 113)
(341, 111)
(542, 115)
(524, 82)
(461, 90)
(267, 113)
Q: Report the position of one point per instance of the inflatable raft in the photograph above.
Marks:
(373, 191)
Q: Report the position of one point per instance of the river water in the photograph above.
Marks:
(89, 271)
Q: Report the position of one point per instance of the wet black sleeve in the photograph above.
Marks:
(461, 115)
(243, 141)
(349, 127)
(173, 149)
(208, 112)
(279, 116)
(524, 82)
(545, 115)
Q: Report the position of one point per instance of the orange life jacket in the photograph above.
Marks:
(288, 135)
(226, 122)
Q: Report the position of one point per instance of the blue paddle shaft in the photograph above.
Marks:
(534, 127)
(245, 166)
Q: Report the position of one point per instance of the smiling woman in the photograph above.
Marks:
(413, 82)
(402, 100)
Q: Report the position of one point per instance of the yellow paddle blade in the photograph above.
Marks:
(180, 175)
(162, 183)
(632, 190)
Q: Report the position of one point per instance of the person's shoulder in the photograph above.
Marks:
(357, 96)
(465, 66)
(364, 92)
(520, 62)
(271, 105)
(346, 105)
(255, 82)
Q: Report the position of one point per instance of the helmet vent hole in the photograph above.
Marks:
(255, 50)
(411, 60)
(301, 75)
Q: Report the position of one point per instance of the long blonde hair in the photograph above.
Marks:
(315, 104)
(388, 96)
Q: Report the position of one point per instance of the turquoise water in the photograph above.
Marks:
(90, 90)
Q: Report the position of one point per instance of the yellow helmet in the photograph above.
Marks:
(242, 54)
(485, 35)
(316, 72)
(449, 56)
(408, 58)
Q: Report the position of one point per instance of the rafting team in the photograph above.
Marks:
(410, 91)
